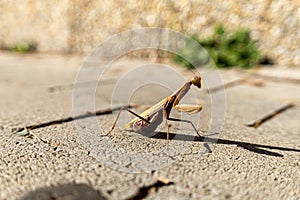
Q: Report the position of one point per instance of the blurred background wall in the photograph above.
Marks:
(73, 26)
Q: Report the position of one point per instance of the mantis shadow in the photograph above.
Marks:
(253, 147)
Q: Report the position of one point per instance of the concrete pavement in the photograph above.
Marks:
(246, 163)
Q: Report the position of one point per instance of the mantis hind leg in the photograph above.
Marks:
(167, 126)
(190, 109)
(186, 121)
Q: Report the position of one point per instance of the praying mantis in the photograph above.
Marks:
(148, 121)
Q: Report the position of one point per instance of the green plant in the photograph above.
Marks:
(227, 50)
(24, 47)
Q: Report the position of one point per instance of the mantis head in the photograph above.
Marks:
(196, 80)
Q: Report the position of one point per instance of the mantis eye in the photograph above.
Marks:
(196, 80)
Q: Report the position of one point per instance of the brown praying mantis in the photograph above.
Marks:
(149, 120)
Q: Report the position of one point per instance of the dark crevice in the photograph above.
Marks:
(146, 190)
(259, 122)
(271, 78)
(224, 86)
(86, 84)
(252, 79)
(69, 119)
(230, 84)
(265, 60)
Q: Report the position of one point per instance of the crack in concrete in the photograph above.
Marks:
(266, 118)
(146, 190)
(240, 81)
(57, 88)
(69, 119)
